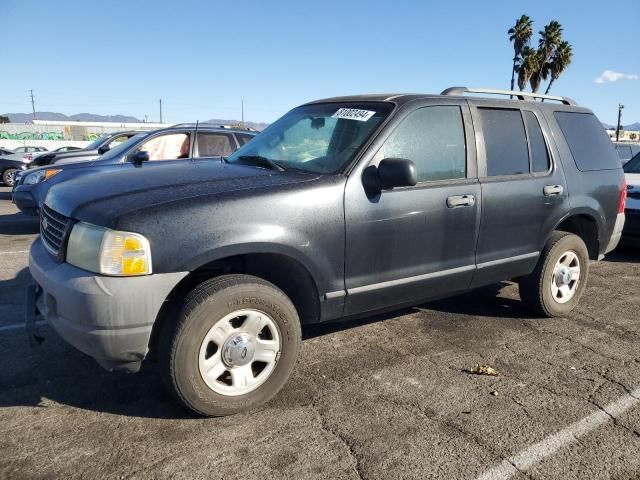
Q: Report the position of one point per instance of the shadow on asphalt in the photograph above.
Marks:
(18, 224)
(5, 195)
(58, 372)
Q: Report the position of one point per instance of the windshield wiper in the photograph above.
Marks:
(260, 161)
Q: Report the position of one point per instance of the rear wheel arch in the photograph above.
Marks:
(584, 226)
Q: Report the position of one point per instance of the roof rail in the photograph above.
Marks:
(216, 125)
(528, 96)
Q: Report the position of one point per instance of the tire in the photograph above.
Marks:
(236, 305)
(540, 290)
(8, 176)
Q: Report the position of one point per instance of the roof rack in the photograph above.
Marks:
(528, 96)
(216, 125)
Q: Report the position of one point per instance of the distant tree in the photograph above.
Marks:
(561, 59)
(633, 136)
(520, 34)
(550, 38)
(4, 119)
(528, 64)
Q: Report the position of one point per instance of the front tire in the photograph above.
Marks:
(8, 176)
(233, 347)
(555, 286)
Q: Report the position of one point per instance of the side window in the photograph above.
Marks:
(243, 138)
(539, 152)
(433, 138)
(118, 140)
(624, 152)
(505, 142)
(172, 146)
(214, 144)
(588, 142)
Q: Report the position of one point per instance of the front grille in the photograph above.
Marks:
(54, 228)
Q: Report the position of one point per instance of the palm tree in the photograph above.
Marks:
(519, 34)
(550, 37)
(561, 60)
(528, 64)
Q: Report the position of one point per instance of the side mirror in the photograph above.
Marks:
(103, 149)
(140, 157)
(390, 173)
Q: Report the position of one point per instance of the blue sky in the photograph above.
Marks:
(202, 58)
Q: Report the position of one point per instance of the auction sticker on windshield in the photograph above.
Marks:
(354, 114)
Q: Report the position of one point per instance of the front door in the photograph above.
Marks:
(410, 244)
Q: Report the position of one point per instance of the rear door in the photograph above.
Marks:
(524, 192)
(410, 244)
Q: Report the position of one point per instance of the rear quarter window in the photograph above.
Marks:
(589, 143)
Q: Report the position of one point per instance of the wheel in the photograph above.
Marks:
(555, 286)
(8, 176)
(233, 346)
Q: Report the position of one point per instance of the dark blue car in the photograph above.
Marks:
(167, 145)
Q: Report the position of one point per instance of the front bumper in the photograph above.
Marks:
(108, 318)
(24, 200)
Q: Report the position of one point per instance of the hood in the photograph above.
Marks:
(72, 157)
(103, 198)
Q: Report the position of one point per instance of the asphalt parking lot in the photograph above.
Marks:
(387, 397)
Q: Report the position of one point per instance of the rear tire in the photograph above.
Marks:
(233, 346)
(8, 176)
(555, 286)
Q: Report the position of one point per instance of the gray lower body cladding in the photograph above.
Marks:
(108, 318)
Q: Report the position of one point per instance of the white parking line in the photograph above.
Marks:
(534, 454)
(15, 251)
(16, 326)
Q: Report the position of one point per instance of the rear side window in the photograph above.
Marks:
(589, 144)
(505, 142)
(214, 145)
(539, 153)
(243, 138)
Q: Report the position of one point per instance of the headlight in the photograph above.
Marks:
(108, 252)
(34, 178)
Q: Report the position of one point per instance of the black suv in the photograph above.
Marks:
(341, 208)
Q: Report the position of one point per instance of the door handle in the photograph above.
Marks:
(553, 190)
(457, 201)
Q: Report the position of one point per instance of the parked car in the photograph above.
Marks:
(626, 150)
(173, 143)
(631, 232)
(96, 148)
(66, 149)
(342, 208)
(8, 169)
(26, 154)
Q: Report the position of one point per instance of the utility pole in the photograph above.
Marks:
(33, 105)
(620, 107)
(243, 113)
(160, 110)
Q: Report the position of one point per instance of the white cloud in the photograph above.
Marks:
(611, 76)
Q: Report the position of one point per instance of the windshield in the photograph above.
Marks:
(124, 146)
(633, 165)
(319, 138)
(97, 142)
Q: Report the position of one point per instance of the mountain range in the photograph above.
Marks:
(92, 117)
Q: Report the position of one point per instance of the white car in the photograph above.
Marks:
(26, 154)
(631, 232)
